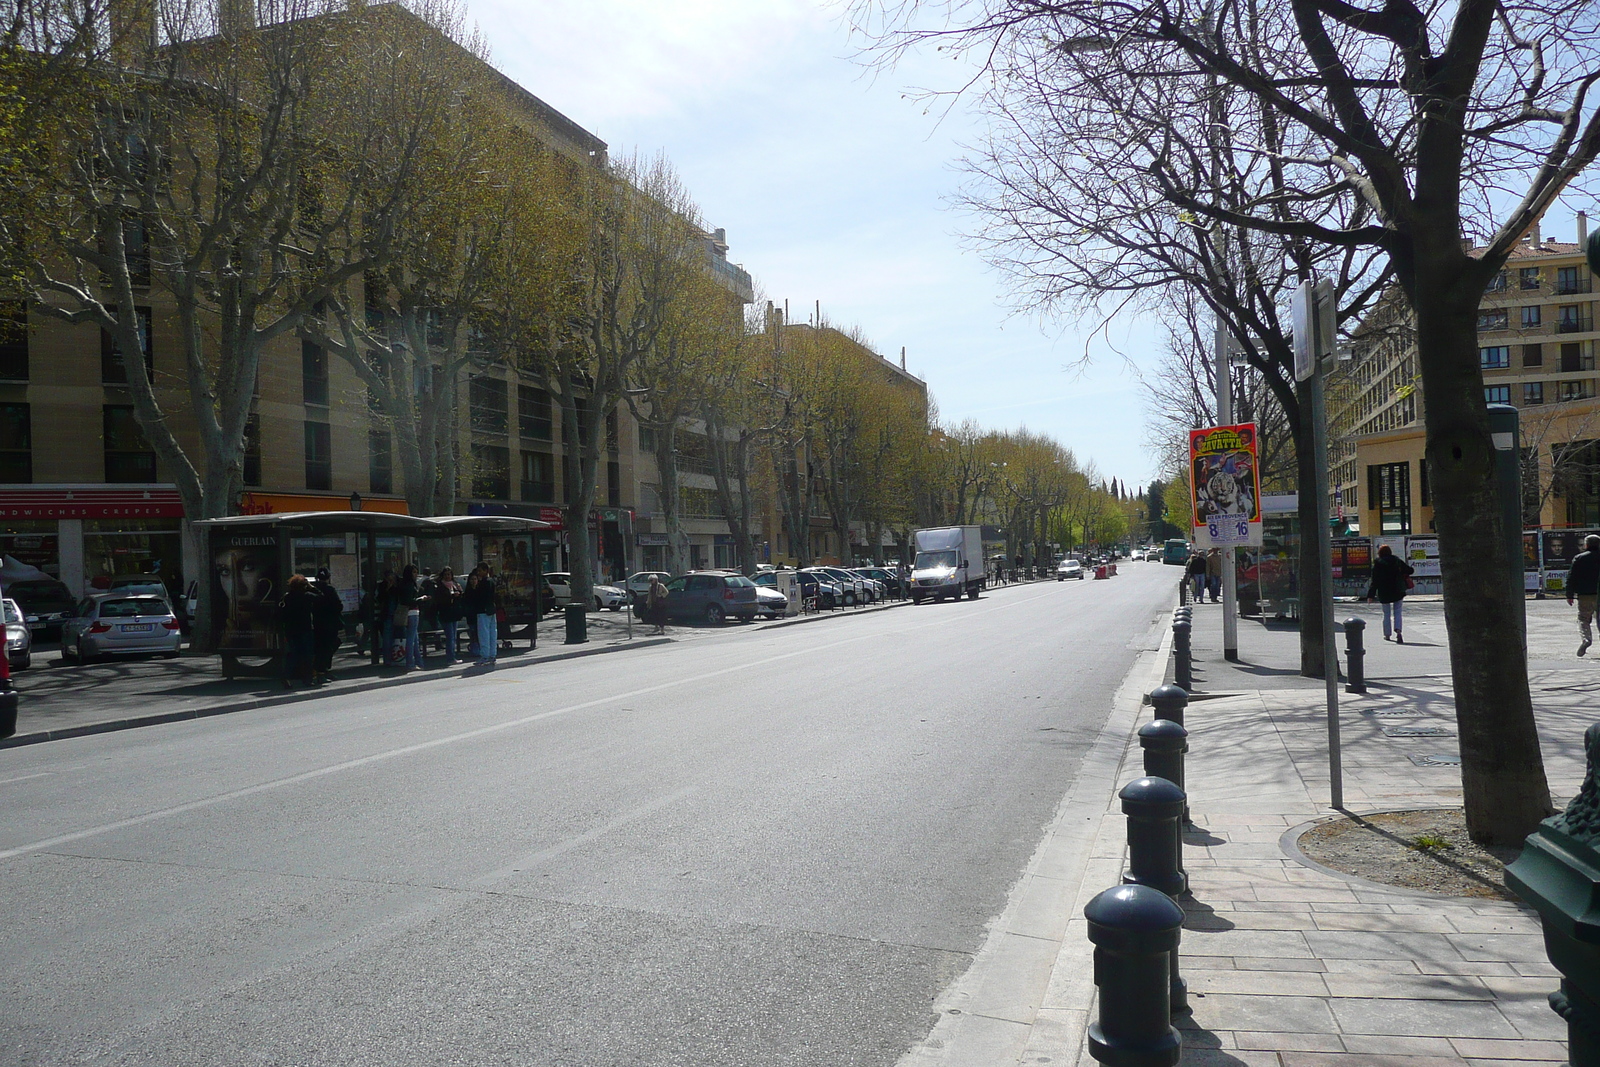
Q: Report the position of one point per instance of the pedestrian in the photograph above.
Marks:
(408, 607)
(447, 602)
(469, 612)
(326, 624)
(296, 612)
(1583, 582)
(383, 605)
(483, 601)
(1391, 578)
(655, 605)
(1196, 572)
(1016, 571)
(1214, 574)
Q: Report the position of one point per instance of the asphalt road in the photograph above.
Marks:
(767, 848)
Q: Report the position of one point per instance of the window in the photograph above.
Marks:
(534, 421)
(1533, 392)
(16, 443)
(1492, 319)
(319, 456)
(1495, 356)
(611, 432)
(380, 462)
(313, 374)
(580, 418)
(136, 246)
(1578, 390)
(1497, 284)
(647, 439)
(539, 477)
(112, 369)
(614, 484)
(1497, 394)
(1533, 355)
(129, 457)
(1572, 318)
(1572, 280)
(252, 450)
(488, 405)
(1389, 491)
(1575, 472)
(1532, 316)
(491, 472)
(13, 341)
(1532, 498)
(1528, 277)
(1572, 357)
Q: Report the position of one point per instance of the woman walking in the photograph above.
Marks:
(1391, 578)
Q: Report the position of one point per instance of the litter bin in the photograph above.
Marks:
(577, 624)
(8, 708)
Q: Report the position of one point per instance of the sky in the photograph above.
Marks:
(834, 184)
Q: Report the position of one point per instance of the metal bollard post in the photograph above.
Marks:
(1164, 742)
(1169, 702)
(1154, 807)
(1183, 665)
(1355, 652)
(1183, 591)
(1135, 933)
(577, 625)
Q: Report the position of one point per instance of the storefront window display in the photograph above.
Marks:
(115, 547)
(33, 542)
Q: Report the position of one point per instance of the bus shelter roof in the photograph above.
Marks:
(378, 522)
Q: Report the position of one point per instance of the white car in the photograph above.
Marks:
(605, 596)
(1069, 568)
(19, 639)
(111, 624)
(770, 603)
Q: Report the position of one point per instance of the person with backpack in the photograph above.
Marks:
(1391, 578)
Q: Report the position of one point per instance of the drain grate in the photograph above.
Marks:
(1391, 713)
(1417, 731)
(1437, 759)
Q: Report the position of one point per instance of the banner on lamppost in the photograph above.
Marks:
(1224, 486)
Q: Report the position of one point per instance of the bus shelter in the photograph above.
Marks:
(251, 558)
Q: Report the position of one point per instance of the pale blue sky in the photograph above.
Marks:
(833, 185)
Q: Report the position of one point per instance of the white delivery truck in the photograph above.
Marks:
(949, 563)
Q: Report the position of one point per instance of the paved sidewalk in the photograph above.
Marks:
(1292, 966)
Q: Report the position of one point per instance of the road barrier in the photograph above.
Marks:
(1164, 742)
(1135, 932)
(1182, 660)
(1355, 653)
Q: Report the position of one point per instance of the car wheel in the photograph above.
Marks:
(715, 615)
(972, 594)
(27, 661)
(915, 599)
(597, 605)
(79, 654)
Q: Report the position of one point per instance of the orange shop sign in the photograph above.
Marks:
(282, 503)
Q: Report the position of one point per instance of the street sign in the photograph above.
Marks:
(1224, 486)
(1315, 323)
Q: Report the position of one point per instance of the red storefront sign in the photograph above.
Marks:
(90, 502)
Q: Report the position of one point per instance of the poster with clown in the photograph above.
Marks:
(1225, 486)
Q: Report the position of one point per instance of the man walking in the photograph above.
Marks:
(1196, 572)
(1214, 574)
(1583, 582)
(1391, 578)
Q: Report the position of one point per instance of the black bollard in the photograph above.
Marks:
(1355, 652)
(1154, 808)
(1183, 591)
(1135, 932)
(9, 699)
(1164, 742)
(1169, 702)
(577, 624)
(1182, 664)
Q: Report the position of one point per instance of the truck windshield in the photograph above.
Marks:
(927, 561)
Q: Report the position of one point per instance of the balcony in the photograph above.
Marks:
(1570, 286)
(1581, 324)
(735, 277)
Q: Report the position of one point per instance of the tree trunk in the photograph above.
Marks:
(1502, 770)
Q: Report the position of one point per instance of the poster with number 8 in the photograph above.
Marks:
(1224, 486)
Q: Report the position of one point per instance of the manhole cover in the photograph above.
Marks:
(1416, 731)
(1437, 759)
(1391, 713)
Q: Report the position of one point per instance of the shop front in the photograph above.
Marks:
(86, 535)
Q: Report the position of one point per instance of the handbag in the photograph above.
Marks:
(399, 617)
(1409, 583)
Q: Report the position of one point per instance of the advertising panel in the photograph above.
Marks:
(245, 587)
(513, 560)
(1224, 486)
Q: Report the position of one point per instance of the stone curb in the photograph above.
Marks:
(114, 725)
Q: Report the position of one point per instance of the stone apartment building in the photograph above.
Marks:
(1537, 340)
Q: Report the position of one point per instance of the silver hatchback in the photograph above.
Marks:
(114, 624)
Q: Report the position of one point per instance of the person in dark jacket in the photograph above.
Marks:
(483, 604)
(1196, 571)
(327, 621)
(1390, 574)
(409, 599)
(447, 602)
(297, 613)
(1583, 583)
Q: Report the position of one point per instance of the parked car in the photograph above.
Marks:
(108, 624)
(45, 602)
(609, 597)
(1069, 568)
(19, 639)
(770, 602)
(638, 585)
(854, 588)
(892, 584)
(827, 592)
(876, 589)
(713, 596)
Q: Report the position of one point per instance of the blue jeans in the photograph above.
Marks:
(488, 637)
(413, 640)
(450, 637)
(1394, 610)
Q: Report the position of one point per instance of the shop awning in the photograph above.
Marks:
(307, 523)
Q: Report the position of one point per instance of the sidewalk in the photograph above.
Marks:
(1289, 965)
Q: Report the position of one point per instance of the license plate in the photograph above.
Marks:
(137, 627)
